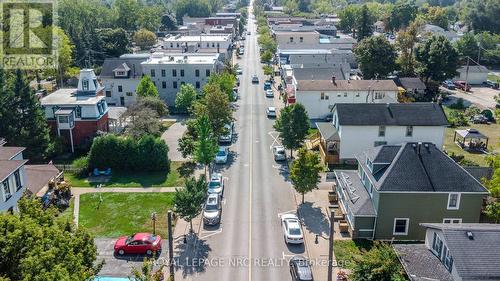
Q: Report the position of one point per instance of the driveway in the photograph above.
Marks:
(121, 266)
(171, 137)
(483, 97)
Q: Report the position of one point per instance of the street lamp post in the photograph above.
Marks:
(153, 218)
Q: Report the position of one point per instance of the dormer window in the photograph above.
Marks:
(381, 131)
(120, 73)
(85, 84)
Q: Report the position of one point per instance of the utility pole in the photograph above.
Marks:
(330, 246)
(170, 245)
(467, 74)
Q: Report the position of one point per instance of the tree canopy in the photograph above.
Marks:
(146, 88)
(185, 98)
(305, 171)
(292, 125)
(188, 201)
(438, 59)
(205, 146)
(144, 39)
(376, 57)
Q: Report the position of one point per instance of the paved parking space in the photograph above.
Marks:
(481, 96)
(121, 266)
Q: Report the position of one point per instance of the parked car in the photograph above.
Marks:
(138, 243)
(216, 184)
(271, 112)
(279, 153)
(462, 85)
(255, 79)
(212, 211)
(491, 84)
(479, 119)
(241, 51)
(267, 85)
(269, 94)
(239, 71)
(221, 156)
(237, 81)
(228, 136)
(249, 33)
(292, 232)
(300, 269)
(448, 84)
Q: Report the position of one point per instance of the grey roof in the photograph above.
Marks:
(358, 200)
(471, 134)
(477, 258)
(429, 170)
(393, 114)
(38, 176)
(327, 131)
(474, 68)
(64, 111)
(411, 83)
(420, 263)
(122, 67)
(115, 112)
(345, 85)
(7, 152)
(7, 167)
(317, 73)
(480, 172)
(133, 62)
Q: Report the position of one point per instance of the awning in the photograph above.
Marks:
(470, 134)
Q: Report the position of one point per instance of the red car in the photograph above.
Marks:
(139, 243)
(462, 85)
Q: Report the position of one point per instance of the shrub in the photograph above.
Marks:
(147, 153)
(81, 166)
(459, 104)
(471, 111)
(457, 119)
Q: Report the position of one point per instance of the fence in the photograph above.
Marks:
(65, 167)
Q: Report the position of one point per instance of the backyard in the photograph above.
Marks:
(134, 179)
(346, 250)
(124, 213)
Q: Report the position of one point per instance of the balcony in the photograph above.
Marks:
(329, 143)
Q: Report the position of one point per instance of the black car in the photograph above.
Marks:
(300, 269)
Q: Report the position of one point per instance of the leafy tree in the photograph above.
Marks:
(188, 201)
(349, 18)
(142, 121)
(185, 98)
(291, 7)
(147, 272)
(467, 46)
(268, 70)
(65, 56)
(205, 146)
(305, 172)
(405, 43)
(482, 15)
(28, 250)
(154, 103)
(215, 5)
(22, 120)
(365, 25)
(376, 57)
(146, 88)
(292, 125)
(437, 16)
(402, 14)
(128, 11)
(168, 22)
(187, 141)
(150, 17)
(266, 56)
(225, 81)
(113, 42)
(493, 185)
(379, 263)
(322, 6)
(191, 8)
(144, 39)
(215, 105)
(438, 59)
(493, 211)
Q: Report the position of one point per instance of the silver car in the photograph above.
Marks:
(255, 79)
(212, 211)
(279, 153)
(271, 112)
(216, 184)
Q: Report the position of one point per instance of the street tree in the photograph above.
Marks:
(188, 201)
(215, 105)
(305, 172)
(144, 39)
(376, 57)
(292, 126)
(365, 23)
(188, 139)
(268, 70)
(146, 88)
(438, 59)
(225, 81)
(185, 98)
(28, 250)
(205, 146)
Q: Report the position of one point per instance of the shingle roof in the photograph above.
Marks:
(358, 200)
(343, 85)
(318, 73)
(477, 258)
(7, 167)
(327, 131)
(420, 263)
(132, 62)
(395, 114)
(38, 176)
(429, 170)
(7, 152)
(410, 83)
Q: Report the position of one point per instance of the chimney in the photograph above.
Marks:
(333, 80)
(388, 105)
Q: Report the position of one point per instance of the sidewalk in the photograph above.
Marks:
(185, 253)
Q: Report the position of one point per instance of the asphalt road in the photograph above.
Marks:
(249, 244)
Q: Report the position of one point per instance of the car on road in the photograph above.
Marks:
(255, 79)
(239, 71)
(491, 84)
(212, 211)
(249, 33)
(228, 136)
(267, 85)
(269, 94)
(241, 51)
(462, 85)
(138, 243)
(221, 156)
(216, 184)
(271, 112)
(279, 153)
(448, 84)
(300, 269)
(292, 232)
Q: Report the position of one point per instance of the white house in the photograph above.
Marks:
(473, 74)
(357, 127)
(169, 72)
(320, 96)
(215, 43)
(12, 177)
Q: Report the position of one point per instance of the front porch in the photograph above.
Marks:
(328, 141)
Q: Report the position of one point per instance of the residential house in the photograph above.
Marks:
(220, 43)
(453, 252)
(430, 30)
(120, 77)
(323, 28)
(320, 96)
(413, 86)
(312, 40)
(313, 58)
(358, 127)
(473, 74)
(397, 187)
(77, 114)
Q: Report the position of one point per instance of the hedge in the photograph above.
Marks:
(147, 153)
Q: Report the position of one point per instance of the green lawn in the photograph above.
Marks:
(345, 250)
(493, 77)
(124, 213)
(134, 179)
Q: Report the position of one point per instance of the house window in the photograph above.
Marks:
(357, 95)
(379, 143)
(379, 96)
(129, 94)
(174, 72)
(401, 226)
(213, 45)
(153, 73)
(381, 131)
(301, 39)
(345, 95)
(322, 95)
(63, 119)
(174, 85)
(197, 84)
(177, 45)
(208, 45)
(164, 84)
(108, 94)
(291, 39)
(409, 131)
(218, 45)
(207, 72)
(437, 245)
(453, 221)
(17, 178)
(6, 189)
(197, 73)
(171, 45)
(120, 88)
(163, 73)
(447, 259)
(85, 84)
(182, 72)
(453, 201)
(78, 111)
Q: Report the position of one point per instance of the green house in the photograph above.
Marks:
(397, 187)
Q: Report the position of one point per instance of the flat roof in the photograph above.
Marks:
(198, 38)
(161, 58)
(67, 96)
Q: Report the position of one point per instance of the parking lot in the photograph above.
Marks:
(121, 266)
(482, 97)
